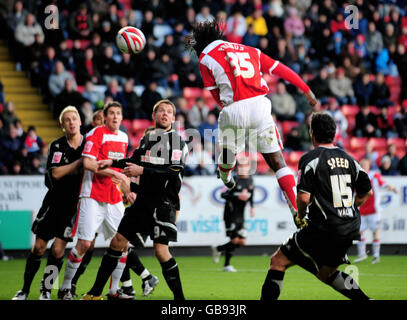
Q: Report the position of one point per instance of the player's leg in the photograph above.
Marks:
(374, 226)
(116, 276)
(227, 138)
(54, 265)
(341, 282)
(149, 281)
(32, 265)
(90, 217)
(82, 267)
(273, 283)
(285, 178)
(226, 164)
(169, 269)
(107, 266)
(376, 246)
(361, 246)
(269, 144)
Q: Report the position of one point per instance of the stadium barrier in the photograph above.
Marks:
(200, 222)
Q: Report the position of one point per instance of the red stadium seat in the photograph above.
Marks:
(295, 157)
(399, 142)
(374, 109)
(393, 81)
(191, 92)
(206, 94)
(139, 125)
(395, 93)
(127, 124)
(288, 125)
(350, 110)
(80, 89)
(358, 143)
(358, 155)
(378, 143)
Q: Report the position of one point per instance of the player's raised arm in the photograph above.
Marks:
(275, 67)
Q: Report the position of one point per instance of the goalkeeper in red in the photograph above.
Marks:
(233, 74)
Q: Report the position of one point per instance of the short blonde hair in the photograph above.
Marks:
(166, 101)
(68, 109)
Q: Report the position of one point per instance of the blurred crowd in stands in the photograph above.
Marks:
(353, 58)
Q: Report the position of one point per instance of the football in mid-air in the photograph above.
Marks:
(130, 40)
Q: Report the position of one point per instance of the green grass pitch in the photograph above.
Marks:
(204, 280)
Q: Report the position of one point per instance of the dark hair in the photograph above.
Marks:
(111, 104)
(323, 127)
(203, 34)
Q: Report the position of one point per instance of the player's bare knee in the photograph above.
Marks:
(39, 247)
(279, 261)
(162, 252)
(58, 251)
(82, 246)
(118, 243)
(275, 160)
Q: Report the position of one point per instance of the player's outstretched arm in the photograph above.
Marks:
(271, 66)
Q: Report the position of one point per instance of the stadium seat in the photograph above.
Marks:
(357, 155)
(378, 143)
(399, 142)
(294, 157)
(350, 110)
(358, 143)
(286, 126)
(191, 92)
(127, 124)
(80, 89)
(139, 125)
(393, 81)
(374, 110)
(395, 93)
(262, 166)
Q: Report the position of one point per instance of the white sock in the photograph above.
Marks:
(127, 283)
(361, 247)
(144, 274)
(117, 274)
(72, 264)
(376, 248)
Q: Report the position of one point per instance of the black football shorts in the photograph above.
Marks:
(311, 249)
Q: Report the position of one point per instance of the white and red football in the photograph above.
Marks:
(130, 40)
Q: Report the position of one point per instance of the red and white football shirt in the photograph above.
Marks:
(372, 204)
(234, 69)
(233, 72)
(101, 144)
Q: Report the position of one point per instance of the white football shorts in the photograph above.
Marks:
(249, 121)
(370, 221)
(94, 215)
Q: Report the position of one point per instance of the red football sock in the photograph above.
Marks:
(287, 184)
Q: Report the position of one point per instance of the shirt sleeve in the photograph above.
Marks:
(92, 145)
(207, 77)
(305, 177)
(55, 156)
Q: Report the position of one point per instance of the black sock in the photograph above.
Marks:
(228, 256)
(108, 264)
(51, 271)
(230, 246)
(171, 274)
(272, 285)
(346, 285)
(82, 267)
(125, 274)
(31, 267)
(133, 262)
